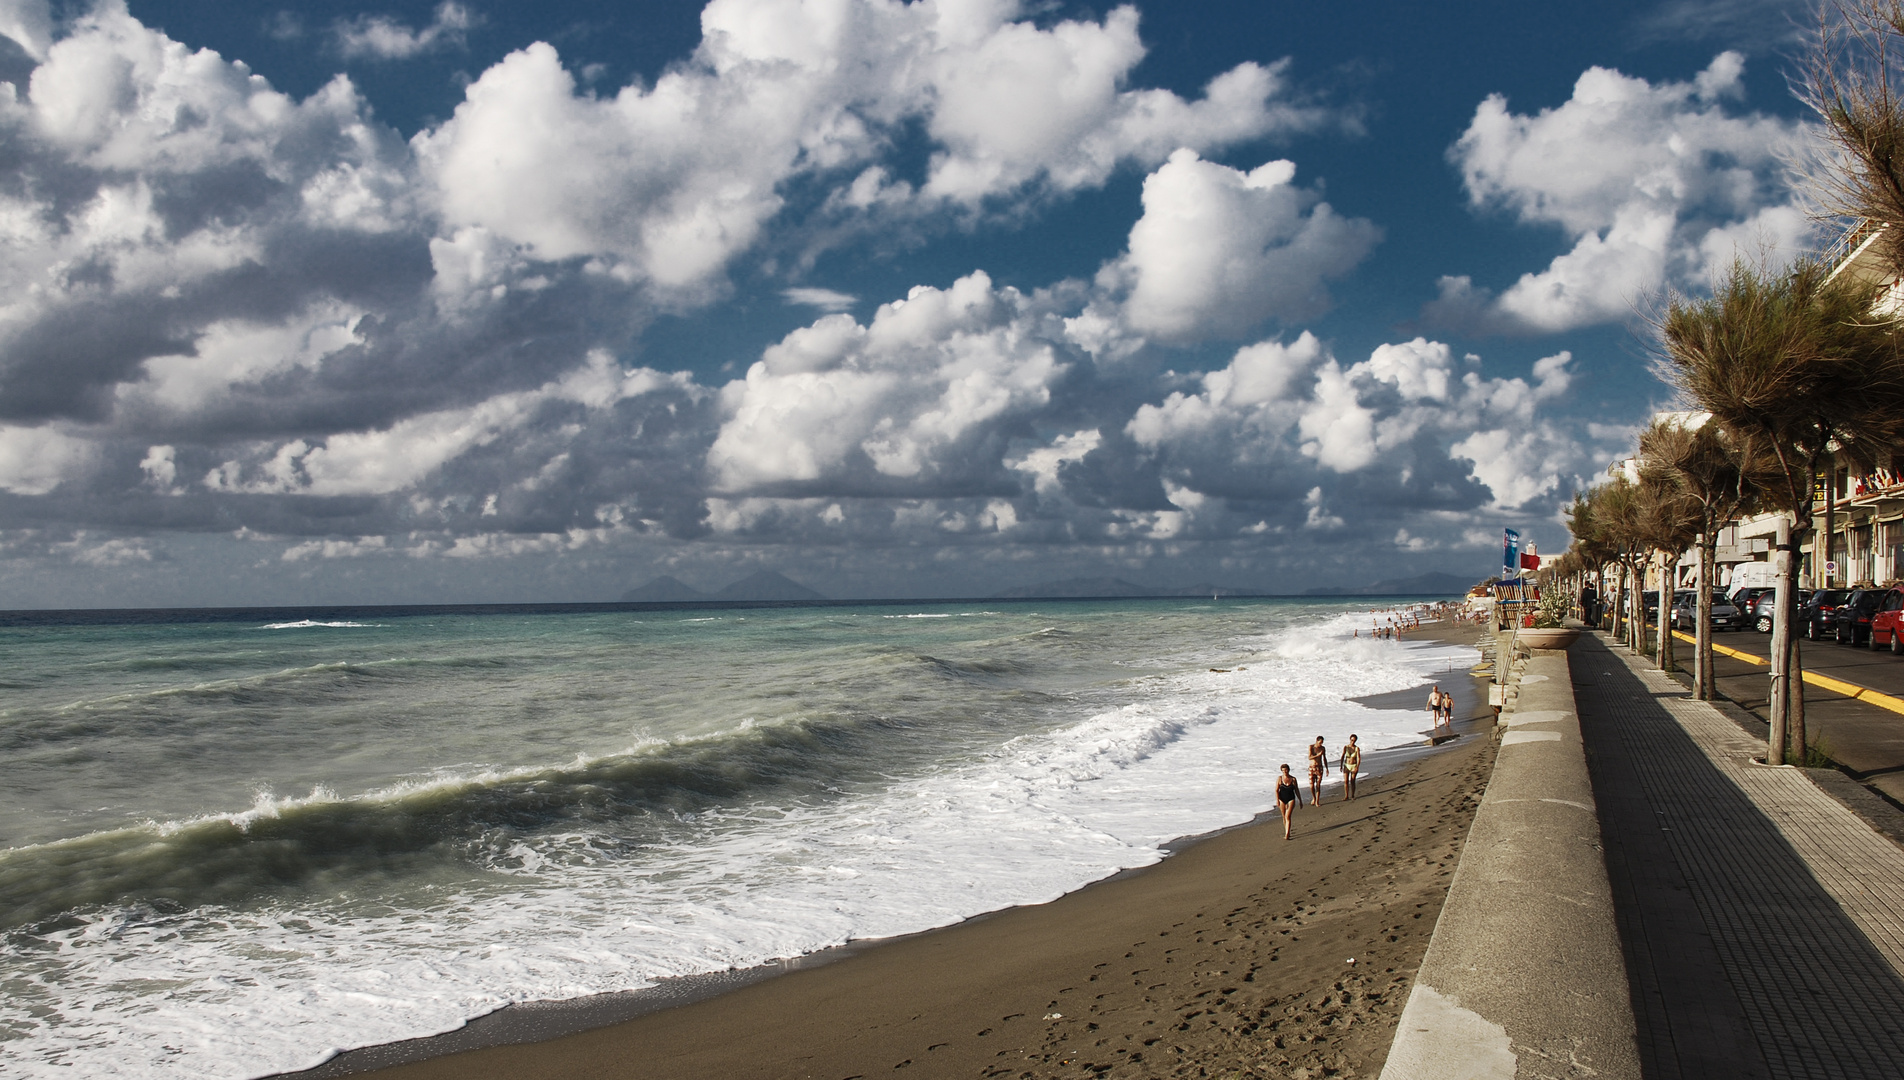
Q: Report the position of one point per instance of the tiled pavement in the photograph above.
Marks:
(1763, 923)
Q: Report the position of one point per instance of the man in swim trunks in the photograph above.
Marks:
(1288, 796)
(1351, 764)
(1434, 707)
(1318, 766)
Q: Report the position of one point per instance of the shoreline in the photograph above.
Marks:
(492, 1044)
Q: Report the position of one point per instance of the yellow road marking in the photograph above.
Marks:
(1836, 686)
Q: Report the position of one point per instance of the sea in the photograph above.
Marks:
(234, 844)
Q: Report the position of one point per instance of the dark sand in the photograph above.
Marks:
(1230, 958)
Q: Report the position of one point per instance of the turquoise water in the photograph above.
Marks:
(234, 847)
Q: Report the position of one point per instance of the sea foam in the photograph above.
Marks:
(251, 989)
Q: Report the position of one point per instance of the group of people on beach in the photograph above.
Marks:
(1289, 792)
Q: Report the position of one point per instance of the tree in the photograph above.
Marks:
(1669, 518)
(1592, 543)
(1794, 369)
(1701, 458)
(1616, 525)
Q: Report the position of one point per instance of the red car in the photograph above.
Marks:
(1884, 623)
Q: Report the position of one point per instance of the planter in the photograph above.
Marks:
(1556, 638)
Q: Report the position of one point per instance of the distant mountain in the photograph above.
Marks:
(767, 585)
(1431, 584)
(1213, 590)
(1095, 588)
(1080, 588)
(663, 590)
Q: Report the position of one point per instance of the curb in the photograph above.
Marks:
(1525, 972)
(1837, 686)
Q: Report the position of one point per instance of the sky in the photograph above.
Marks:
(346, 303)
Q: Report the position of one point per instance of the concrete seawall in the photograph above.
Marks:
(1524, 975)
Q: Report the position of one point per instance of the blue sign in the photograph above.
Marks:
(1510, 555)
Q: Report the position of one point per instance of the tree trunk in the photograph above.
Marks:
(1795, 667)
(1781, 646)
(1640, 606)
(1666, 564)
(1636, 607)
(1616, 611)
(1702, 633)
(1795, 725)
(1616, 602)
(1831, 485)
(1640, 643)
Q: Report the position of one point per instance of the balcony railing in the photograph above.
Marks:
(1858, 233)
(1865, 490)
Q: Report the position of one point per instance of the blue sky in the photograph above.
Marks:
(463, 302)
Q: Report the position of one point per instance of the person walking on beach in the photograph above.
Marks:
(1351, 764)
(1447, 709)
(1434, 707)
(1288, 797)
(1318, 765)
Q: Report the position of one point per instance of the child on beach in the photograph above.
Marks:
(1351, 764)
(1318, 765)
(1288, 796)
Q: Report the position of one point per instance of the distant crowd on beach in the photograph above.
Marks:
(1390, 623)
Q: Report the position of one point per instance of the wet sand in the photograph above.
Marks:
(1232, 957)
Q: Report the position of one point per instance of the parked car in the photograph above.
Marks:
(1649, 600)
(1851, 622)
(1884, 625)
(1725, 616)
(1815, 617)
(1766, 606)
(1746, 599)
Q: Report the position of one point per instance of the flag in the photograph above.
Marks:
(1510, 555)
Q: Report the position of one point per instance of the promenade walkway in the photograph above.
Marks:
(1762, 921)
(1854, 702)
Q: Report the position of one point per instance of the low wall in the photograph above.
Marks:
(1525, 972)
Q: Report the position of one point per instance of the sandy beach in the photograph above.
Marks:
(1242, 954)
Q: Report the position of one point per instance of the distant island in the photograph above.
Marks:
(1431, 584)
(765, 586)
(1111, 588)
(1102, 588)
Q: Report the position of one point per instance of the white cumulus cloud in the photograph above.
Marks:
(906, 397)
(668, 182)
(1654, 183)
(1219, 250)
(35, 460)
(384, 38)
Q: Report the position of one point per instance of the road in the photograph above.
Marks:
(1866, 739)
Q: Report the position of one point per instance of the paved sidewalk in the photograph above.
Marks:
(1762, 921)
(1864, 735)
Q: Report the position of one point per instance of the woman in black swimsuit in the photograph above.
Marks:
(1288, 797)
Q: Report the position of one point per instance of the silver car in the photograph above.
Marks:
(1724, 615)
